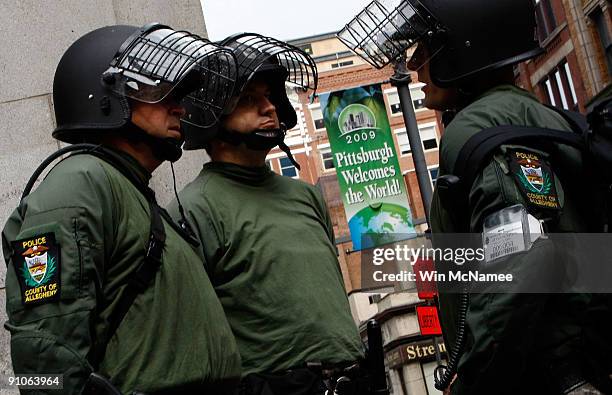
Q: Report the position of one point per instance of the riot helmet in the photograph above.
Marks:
(103, 69)
(463, 38)
(281, 66)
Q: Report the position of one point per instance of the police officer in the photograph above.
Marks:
(100, 280)
(509, 342)
(266, 240)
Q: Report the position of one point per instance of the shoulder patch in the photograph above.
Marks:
(534, 178)
(37, 264)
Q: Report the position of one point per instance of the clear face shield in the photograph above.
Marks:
(421, 56)
(164, 64)
(255, 53)
(384, 31)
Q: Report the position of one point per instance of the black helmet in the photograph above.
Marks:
(102, 69)
(272, 60)
(464, 37)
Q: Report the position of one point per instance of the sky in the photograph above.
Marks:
(281, 19)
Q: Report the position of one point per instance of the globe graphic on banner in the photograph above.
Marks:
(379, 224)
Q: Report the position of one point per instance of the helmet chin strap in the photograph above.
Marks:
(260, 140)
(163, 149)
(287, 151)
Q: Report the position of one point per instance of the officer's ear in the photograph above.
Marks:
(214, 146)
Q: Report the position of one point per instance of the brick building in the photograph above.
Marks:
(574, 71)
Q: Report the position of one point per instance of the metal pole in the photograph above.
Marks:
(401, 79)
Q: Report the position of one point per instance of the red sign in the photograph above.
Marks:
(425, 284)
(428, 320)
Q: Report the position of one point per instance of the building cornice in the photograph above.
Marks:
(310, 39)
(333, 56)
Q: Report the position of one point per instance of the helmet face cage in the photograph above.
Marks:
(253, 50)
(160, 62)
(382, 32)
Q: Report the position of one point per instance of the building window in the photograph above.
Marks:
(416, 94)
(327, 159)
(402, 141)
(394, 103)
(545, 18)
(269, 164)
(317, 118)
(433, 174)
(428, 137)
(604, 38)
(341, 64)
(287, 168)
(559, 88)
(306, 48)
(418, 97)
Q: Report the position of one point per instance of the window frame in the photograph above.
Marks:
(435, 135)
(559, 88)
(413, 88)
(398, 104)
(339, 65)
(317, 107)
(403, 131)
(393, 94)
(280, 166)
(429, 170)
(598, 18)
(546, 19)
(323, 151)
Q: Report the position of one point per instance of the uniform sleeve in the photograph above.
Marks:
(55, 255)
(502, 325)
(323, 210)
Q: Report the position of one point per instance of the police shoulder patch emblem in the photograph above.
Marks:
(534, 178)
(37, 264)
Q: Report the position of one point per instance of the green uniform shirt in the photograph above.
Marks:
(510, 337)
(267, 241)
(175, 333)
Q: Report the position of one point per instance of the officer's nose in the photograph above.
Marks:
(266, 106)
(177, 110)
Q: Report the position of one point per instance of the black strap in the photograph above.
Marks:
(576, 120)
(143, 276)
(287, 151)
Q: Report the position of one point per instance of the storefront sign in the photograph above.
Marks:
(407, 353)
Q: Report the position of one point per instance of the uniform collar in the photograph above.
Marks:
(132, 165)
(244, 174)
(507, 88)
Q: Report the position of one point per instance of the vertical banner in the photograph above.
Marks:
(371, 182)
